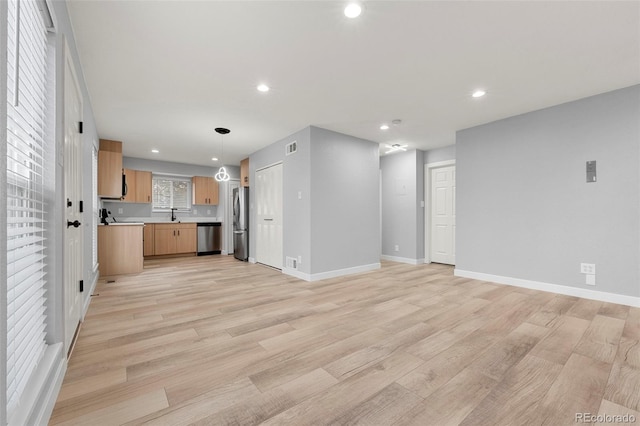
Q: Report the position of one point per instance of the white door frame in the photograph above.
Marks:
(427, 208)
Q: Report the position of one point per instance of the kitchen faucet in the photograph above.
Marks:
(173, 215)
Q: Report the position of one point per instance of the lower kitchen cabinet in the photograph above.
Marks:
(149, 238)
(120, 249)
(174, 238)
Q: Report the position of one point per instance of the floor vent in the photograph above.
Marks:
(292, 263)
(291, 148)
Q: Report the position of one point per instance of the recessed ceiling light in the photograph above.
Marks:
(479, 93)
(353, 10)
(384, 127)
(263, 88)
(214, 159)
(155, 151)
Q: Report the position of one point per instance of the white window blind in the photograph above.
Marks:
(171, 192)
(26, 207)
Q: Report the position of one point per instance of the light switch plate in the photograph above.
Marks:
(588, 268)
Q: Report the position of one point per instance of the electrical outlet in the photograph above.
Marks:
(120, 210)
(299, 260)
(396, 248)
(588, 268)
(208, 212)
(195, 211)
(591, 279)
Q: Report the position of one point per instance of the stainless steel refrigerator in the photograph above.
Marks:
(241, 223)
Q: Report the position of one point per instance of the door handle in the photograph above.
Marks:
(267, 220)
(238, 232)
(75, 223)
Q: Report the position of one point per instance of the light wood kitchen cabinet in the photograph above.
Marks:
(110, 169)
(244, 172)
(143, 186)
(149, 237)
(205, 190)
(120, 249)
(138, 186)
(174, 238)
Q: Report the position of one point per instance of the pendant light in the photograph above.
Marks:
(222, 175)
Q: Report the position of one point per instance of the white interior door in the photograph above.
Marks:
(73, 241)
(268, 201)
(443, 215)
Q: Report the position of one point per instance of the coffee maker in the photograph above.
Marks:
(104, 214)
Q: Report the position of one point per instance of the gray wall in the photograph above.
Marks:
(402, 214)
(440, 154)
(524, 209)
(143, 210)
(345, 201)
(296, 212)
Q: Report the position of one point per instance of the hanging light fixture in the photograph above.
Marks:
(222, 175)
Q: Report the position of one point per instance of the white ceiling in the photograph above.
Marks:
(164, 74)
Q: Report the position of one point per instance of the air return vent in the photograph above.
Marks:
(292, 263)
(291, 148)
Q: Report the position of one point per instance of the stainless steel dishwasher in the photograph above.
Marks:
(209, 238)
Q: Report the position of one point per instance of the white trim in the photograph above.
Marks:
(553, 288)
(402, 259)
(427, 203)
(331, 274)
(35, 408)
(270, 165)
(87, 300)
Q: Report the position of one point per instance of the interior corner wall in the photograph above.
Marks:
(345, 202)
(400, 195)
(296, 211)
(525, 210)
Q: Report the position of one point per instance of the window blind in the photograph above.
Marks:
(26, 207)
(171, 192)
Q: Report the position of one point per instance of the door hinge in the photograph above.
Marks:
(80, 126)
(81, 286)
(81, 206)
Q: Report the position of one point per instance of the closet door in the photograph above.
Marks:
(268, 201)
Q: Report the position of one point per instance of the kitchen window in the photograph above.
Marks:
(171, 192)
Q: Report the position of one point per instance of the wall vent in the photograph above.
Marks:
(292, 263)
(291, 148)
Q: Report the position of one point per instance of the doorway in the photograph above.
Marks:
(268, 200)
(73, 229)
(440, 226)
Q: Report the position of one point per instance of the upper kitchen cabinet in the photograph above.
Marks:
(244, 172)
(143, 186)
(205, 190)
(138, 186)
(110, 169)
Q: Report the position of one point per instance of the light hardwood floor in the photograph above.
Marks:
(214, 341)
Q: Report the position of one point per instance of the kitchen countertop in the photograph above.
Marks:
(143, 220)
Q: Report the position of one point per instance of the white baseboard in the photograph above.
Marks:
(92, 289)
(224, 252)
(553, 288)
(331, 274)
(252, 260)
(36, 405)
(402, 259)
